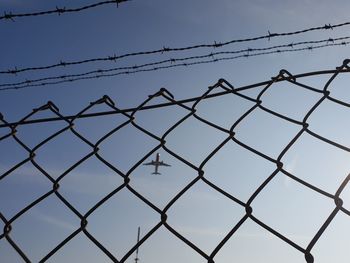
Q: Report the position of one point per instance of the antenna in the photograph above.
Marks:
(137, 249)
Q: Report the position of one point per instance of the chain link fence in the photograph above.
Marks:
(190, 106)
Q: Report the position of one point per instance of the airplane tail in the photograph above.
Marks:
(156, 173)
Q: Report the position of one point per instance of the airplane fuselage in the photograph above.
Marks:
(156, 163)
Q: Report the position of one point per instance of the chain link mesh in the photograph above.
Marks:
(221, 88)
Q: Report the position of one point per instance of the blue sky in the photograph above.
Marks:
(202, 215)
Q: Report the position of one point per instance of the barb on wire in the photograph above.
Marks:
(59, 11)
(155, 66)
(192, 111)
(115, 57)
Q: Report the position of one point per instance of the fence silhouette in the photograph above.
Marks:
(220, 89)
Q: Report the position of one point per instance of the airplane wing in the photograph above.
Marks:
(150, 163)
(164, 164)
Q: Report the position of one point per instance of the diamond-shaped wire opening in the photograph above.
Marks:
(163, 246)
(224, 110)
(204, 216)
(289, 99)
(50, 222)
(318, 163)
(126, 147)
(33, 134)
(88, 126)
(161, 188)
(60, 153)
(316, 81)
(194, 140)
(339, 88)
(333, 126)
(88, 183)
(20, 188)
(237, 170)
(290, 208)
(252, 243)
(11, 154)
(265, 132)
(333, 244)
(113, 222)
(252, 93)
(159, 120)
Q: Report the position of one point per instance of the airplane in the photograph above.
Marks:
(156, 164)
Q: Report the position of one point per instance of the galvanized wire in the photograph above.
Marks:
(221, 88)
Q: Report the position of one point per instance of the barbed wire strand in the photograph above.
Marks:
(149, 67)
(59, 11)
(176, 49)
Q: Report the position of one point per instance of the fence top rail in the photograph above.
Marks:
(183, 101)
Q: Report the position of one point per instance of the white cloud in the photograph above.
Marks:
(268, 236)
(54, 221)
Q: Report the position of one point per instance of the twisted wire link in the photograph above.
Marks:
(221, 88)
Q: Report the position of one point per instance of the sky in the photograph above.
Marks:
(202, 215)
